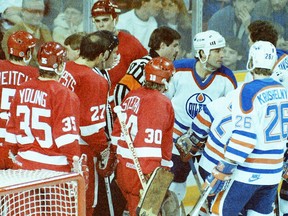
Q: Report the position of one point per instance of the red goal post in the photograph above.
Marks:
(41, 192)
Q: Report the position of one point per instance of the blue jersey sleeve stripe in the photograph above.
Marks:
(216, 141)
(236, 152)
(274, 151)
(210, 158)
(181, 125)
(262, 171)
(245, 133)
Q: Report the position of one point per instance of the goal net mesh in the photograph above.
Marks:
(41, 192)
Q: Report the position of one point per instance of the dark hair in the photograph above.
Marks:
(15, 58)
(138, 3)
(74, 40)
(263, 30)
(93, 44)
(163, 34)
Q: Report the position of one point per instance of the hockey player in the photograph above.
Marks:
(196, 83)
(43, 129)
(105, 15)
(152, 141)
(163, 42)
(254, 153)
(14, 71)
(92, 90)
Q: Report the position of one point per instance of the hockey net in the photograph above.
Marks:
(41, 192)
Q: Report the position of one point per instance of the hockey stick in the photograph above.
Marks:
(200, 201)
(118, 111)
(109, 197)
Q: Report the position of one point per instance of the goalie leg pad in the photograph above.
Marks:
(154, 192)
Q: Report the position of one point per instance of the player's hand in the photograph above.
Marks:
(80, 166)
(188, 145)
(220, 176)
(107, 161)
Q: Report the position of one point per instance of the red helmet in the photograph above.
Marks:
(51, 55)
(20, 42)
(159, 70)
(104, 7)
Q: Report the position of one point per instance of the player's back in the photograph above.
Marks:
(259, 137)
(44, 118)
(151, 117)
(11, 76)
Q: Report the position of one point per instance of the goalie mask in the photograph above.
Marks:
(102, 7)
(207, 41)
(159, 70)
(262, 54)
(19, 43)
(51, 56)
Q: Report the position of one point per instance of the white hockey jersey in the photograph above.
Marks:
(189, 94)
(258, 141)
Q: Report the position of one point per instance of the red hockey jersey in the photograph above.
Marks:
(149, 118)
(44, 124)
(92, 90)
(11, 76)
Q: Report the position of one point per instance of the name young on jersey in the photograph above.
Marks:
(28, 95)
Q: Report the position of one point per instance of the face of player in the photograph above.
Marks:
(278, 5)
(170, 51)
(104, 22)
(113, 58)
(72, 54)
(170, 10)
(215, 58)
(231, 57)
(33, 13)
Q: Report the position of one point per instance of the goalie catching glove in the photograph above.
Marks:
(188, 145)
(220, 176)
(107, 162)
(80, 166)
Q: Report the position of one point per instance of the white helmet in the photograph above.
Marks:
(262, 54)
(208, 40)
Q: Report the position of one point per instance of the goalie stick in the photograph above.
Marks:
(109, 197)
(156, 187)
(118, 111)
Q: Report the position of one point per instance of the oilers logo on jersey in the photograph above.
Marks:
(195, 103)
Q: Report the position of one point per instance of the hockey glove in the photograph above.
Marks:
(188, 145)
(220, 176)
(107, 161)
(80, 166)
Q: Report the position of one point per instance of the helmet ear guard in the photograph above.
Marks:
(262, 54)
(159, 70)
(20, 42)
(50, 56)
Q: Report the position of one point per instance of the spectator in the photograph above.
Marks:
(210, 7)
(273, 10)
(233, 54)
(72, 45)
(233, 20)
(32, 14)
(175, 15)
(141, 21)
(68, 22)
